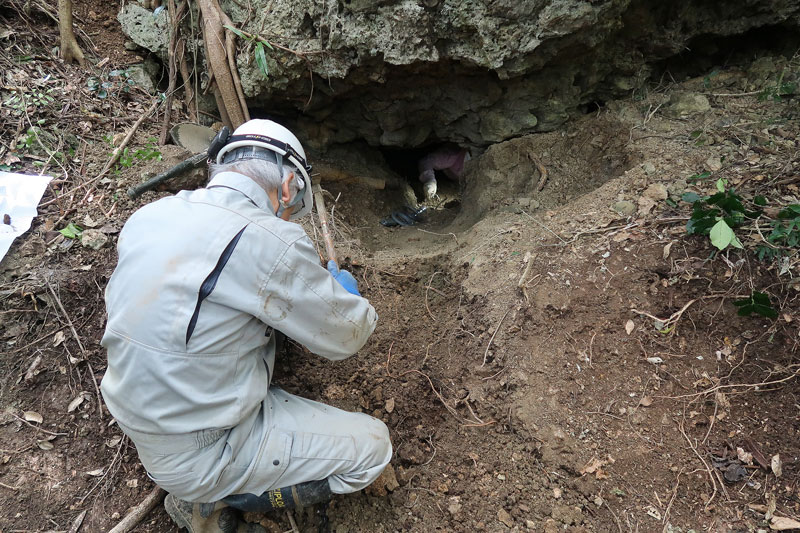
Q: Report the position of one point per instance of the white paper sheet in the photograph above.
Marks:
(19, 197)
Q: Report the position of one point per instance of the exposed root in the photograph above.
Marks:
(69, 50)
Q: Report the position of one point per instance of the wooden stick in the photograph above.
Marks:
(173, 71)
(486, 353)
(323, 222)
(196, 161)
(80, 345)
(118, 151)
(140, 511)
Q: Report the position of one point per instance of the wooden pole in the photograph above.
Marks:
(322, 213)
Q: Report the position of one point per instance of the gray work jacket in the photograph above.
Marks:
(203, 278)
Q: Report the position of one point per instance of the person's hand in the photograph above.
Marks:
(344, 278)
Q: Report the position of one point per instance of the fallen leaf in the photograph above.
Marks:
(389, 405)
(33, 416)
(655, 360)
(745, 457)
(667, 250)
(771, 505)
(781, 523)
(45, 445)
(776, 465)
(58, 338)
(647, 401)
(95, 473)
(76, 402)
(629, 327)
(653, 512)
(113, 441)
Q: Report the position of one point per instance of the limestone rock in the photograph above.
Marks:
(687, 104)
(144, 75)
(93, 238)
(145, 29)
(409, 73)
(625, 208)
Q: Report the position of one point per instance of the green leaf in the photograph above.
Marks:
(691, 197)
(71, 231)
(235, 31)
(760, 201)
(699, 177)
(722, 236)
(266, 43)
(261, 58)
(721, 183)
(757, 303)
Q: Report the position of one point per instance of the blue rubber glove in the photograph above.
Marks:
(344, 278)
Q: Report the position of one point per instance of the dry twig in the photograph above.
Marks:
(140, 511)
(486, 353)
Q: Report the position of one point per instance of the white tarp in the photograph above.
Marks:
(19, 196)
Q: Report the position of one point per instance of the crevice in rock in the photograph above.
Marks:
(705, 53)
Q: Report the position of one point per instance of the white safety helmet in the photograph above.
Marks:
(268, 140)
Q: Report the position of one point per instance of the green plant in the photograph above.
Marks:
(116, 81)
(260, 50)
(780, 90)
(20, 101)
(784, 236)
(718, 215)
(71, 231)
(128, 158)
(757, 303)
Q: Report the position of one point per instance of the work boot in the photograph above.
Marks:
(286, 498)
(207, 518)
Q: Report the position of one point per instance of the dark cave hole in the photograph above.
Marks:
(592, 107)
(706, 52)
(405, 161)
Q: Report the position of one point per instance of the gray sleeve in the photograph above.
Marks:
(301, 299)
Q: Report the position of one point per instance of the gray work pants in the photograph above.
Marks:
(287, 441)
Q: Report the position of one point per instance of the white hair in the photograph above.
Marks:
(264, 173)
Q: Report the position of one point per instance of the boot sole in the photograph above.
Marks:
(175, 513)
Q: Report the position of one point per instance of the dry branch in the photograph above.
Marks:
(118, 150)
(140, 511)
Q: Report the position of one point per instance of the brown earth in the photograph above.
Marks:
(514, 356)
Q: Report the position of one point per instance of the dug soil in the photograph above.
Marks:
(555, 355)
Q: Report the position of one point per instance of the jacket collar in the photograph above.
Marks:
(246, 186)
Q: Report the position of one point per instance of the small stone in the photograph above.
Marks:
(130, 45)
(505, 518)
(94, 239)
(649, 167)
(455, 505)
(557, 493)
(687, 104)
(598, 500)
(530, 524)
(551, 526)
(624, 208)
(656, 191)
(713, 163)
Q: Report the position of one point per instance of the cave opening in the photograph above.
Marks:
(405, 162)
(705, 53)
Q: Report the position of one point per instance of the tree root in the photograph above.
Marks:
(221, 56)
(69, 50)
(140, 511)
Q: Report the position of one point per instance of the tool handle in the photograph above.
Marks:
(323, 222)
(193, 162)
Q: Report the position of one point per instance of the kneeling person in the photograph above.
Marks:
(204, 280)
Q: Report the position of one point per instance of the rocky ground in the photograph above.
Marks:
(552, 354)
